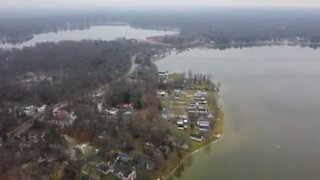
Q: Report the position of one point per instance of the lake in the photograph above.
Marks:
(94, 33)
(271, 100)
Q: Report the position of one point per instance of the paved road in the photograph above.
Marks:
(104, 88)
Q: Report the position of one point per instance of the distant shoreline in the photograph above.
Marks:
(7, 41)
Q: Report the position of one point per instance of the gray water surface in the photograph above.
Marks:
(93, 33)
(271, 100)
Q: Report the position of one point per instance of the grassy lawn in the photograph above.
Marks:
(71, 141)
(213, 106)
(31, 167)
(178, 111)
(175, 76)
(139, 147)
(164, 100)
(183, 135)
(203, 85)
(91, 170)
(179, 103)
(58, 172)
(110, 176)
(218, 124)
(195, 145)
(178, 106)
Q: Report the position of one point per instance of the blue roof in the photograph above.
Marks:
(125, 157)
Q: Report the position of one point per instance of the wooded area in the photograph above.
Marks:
(50, 73)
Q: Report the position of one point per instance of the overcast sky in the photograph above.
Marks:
(154, 3)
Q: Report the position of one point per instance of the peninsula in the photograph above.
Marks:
(103, 119)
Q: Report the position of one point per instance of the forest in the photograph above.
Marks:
(54, 72)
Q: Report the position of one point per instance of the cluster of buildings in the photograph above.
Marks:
(199, 115)
(124, 166)
(30, 138)
(163, 77)
(30, 79)
(62, 116)
(31, 111)
(26, 115)
(182, 124)
(199, 111)
(127, 110)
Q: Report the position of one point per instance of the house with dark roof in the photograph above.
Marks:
(104, 169)
(197, 137)
(144, 163)
(124, 172)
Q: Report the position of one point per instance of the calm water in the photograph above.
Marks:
(271, 99)
(94, 33)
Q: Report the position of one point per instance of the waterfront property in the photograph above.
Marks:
(263, 89)
(187, 104)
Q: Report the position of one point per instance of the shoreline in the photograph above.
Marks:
(189, 155)
(220, 117)
(214, 138)
(204, 44)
